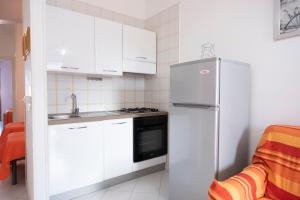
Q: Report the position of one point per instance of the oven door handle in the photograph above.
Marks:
(145, 128)
(140, 129)
(119, 123)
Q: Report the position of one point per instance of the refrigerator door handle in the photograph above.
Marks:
(191, 105)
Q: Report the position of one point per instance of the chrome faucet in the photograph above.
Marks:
(75, 109)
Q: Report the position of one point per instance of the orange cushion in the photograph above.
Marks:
(8, 129)
(279, 151)
(14, 149)
(8, 118)
(248, 185)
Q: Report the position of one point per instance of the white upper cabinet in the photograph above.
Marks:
(139, 50)
(79, 43)
(70, 41)
(108, 46)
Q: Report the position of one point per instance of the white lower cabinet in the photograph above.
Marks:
(82, 154)
(75, 156)
(118, 147)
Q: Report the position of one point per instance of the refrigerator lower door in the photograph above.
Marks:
(193, 151)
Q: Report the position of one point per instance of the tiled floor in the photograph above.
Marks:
(14, 192)
(150, 187)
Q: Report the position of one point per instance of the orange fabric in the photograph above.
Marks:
(278, 152)
(8, 118)
(14, 149)
(249, 184)
(9, 128)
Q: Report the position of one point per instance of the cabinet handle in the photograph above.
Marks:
(141, 57)
(81, 127)
(109, 70)
(119, 123)
(75, 68)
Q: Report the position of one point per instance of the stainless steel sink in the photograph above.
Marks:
(88, 114)
(112, 113)
(61, 117)
(98, 114)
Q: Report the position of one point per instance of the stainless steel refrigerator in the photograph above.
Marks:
(209, 117)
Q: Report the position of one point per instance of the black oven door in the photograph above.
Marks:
(150, 137)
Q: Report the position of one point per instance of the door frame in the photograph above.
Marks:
(37, 176)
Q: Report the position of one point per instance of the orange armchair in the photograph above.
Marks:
(274, 173)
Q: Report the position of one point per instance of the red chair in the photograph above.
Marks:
(12, 149)
(8, 117)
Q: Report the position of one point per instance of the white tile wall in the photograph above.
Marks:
(130, 90)
(166, 25)
(109, 94)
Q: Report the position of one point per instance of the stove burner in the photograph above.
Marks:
(138, 110)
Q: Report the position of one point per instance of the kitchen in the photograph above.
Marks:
(115, 98)
(123, 102)
(111, 107)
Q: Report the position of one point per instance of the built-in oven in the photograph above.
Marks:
(150, 137)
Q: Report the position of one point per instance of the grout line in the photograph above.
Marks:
(160, 184)
(132, 191)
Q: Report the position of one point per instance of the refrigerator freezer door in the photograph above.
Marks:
(195, 83)
(193, 143)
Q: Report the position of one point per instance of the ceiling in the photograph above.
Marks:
(141, 9)
(133, 8)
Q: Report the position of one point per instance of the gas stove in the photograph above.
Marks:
(138, 110)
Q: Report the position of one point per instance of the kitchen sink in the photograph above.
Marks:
(61, 117)
(98, 114)
(88, 114)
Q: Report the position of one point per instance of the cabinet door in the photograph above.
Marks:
(118, 147)
(108, 45)
(75, 156)
(139, 49)
(70, 41)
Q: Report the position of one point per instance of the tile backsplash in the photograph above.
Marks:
(166, 26)
(94, 95)
(131, 90)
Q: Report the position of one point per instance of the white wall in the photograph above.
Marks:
(11, 48)
(155, 6)
(7, 40)
(133, 8)
(243, 30)
(6, 89)
(36, 102)
(19, 88)
(166, 26)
